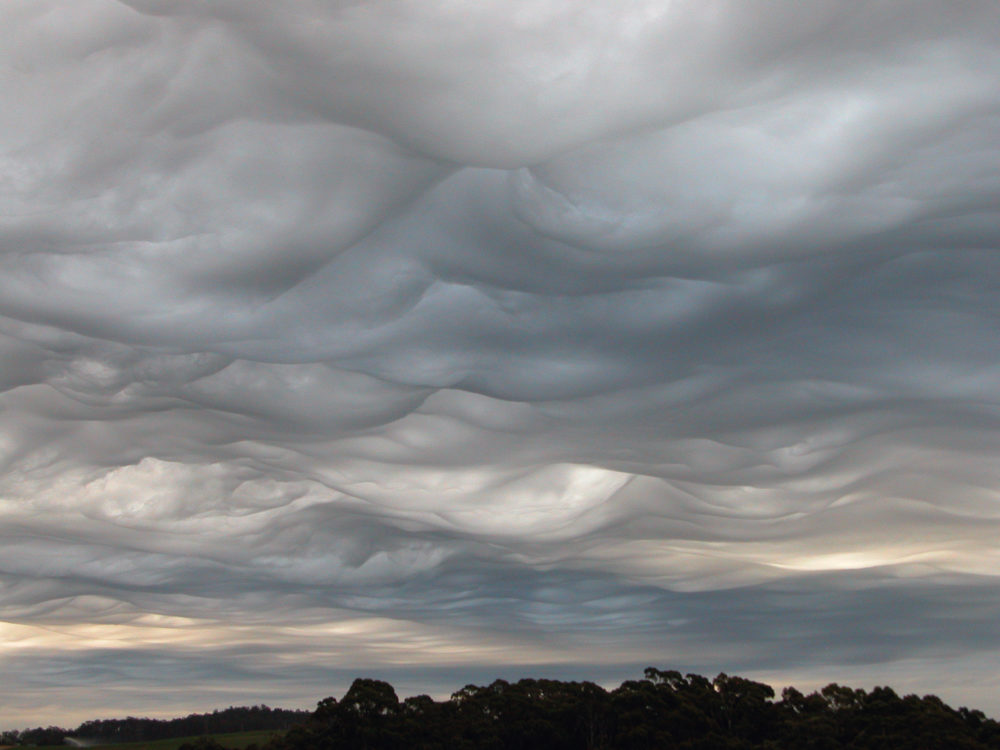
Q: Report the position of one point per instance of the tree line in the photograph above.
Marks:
(665, 709)
(131, 729)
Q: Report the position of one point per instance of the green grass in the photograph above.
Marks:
(236, 741)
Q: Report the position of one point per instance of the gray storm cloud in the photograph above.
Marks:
(403, 336)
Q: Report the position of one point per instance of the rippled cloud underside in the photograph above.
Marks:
(440, 341)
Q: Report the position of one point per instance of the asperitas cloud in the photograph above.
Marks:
(439, 341)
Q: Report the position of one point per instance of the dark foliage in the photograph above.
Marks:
(665, 709)
(233, 719)
(36, 736)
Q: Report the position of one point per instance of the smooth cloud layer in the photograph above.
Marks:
(403, 337)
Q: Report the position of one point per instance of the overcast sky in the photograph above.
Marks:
(438, 341)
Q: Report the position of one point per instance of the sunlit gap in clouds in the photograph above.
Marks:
(445, 342)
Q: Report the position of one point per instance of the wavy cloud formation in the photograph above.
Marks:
(443, 341)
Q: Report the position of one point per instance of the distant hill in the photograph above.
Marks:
(131, 729)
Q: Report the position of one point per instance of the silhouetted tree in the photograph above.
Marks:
(663, 710)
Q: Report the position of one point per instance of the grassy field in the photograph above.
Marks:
(236, 741)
